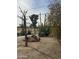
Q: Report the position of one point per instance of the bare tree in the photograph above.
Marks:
(23, 18)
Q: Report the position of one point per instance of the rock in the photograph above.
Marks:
(33, 38)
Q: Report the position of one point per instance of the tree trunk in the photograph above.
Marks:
(26, 39)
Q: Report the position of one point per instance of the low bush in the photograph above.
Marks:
(44, 31)
(22, 33)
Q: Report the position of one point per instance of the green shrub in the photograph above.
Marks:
(22, 33)
(44, 31)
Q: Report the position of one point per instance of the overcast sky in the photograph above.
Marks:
(33, 7)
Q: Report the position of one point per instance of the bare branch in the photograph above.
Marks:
(25, 12)
(20, 17)
(21, 10)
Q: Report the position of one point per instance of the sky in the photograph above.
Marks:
(33, 7)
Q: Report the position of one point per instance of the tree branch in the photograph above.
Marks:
(20, 17)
